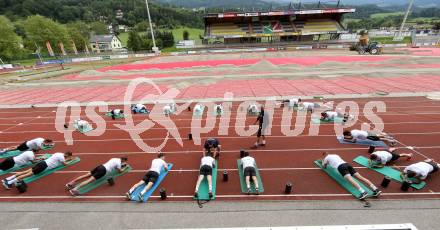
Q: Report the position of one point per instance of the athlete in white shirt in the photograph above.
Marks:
(198, 110)
(253, 109)
(207, 163)
(331, 115)
(139, 108)
(419, 171)
(116, 113)
(348, 172)
(293, 102)
(379, 159)
(18, 161)
(309, 106)
(81, 124)
(150, 177)
(167, 110)
(356, 134)
(97, 173)
(36, 145)
(249, 171)
(57, 159)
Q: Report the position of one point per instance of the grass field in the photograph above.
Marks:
(193, 34)
(124, 38)
(389, 40)
(382, 15)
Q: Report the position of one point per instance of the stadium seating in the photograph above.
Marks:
(228, 29)
(319, 25)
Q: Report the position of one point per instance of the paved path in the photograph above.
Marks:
(422, 213)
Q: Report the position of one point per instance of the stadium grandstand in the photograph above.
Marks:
(296, 24)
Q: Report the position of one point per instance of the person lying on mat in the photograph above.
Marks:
(35, 145)
(116, 113)
(81, 124)
(253, 109)
(356, 134)
(309, 106)
(18, 161)
(151, 177)
(348, 172)
(139, 108)
(249, 171)
(169, 108)
(331, 115)
(206, 166)
(96, 174)
(379, 159)
(57, 159)
(419, 171)
(198, 109)
(212, 145)
(291, 102)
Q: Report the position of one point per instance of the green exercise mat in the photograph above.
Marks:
(204, 188)
(243, 181)
(103, 180)
(7, 154)
(46, 172)
(17, 168)
(394, 174)
(333, 173)
(335, 120)
(117, 116)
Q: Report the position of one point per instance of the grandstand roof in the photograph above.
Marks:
(280, 13)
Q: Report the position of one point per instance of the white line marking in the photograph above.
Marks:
(219, 196)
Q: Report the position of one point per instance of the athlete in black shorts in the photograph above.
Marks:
(150, 178)
(95, 174)
(261, 138)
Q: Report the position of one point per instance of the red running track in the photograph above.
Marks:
(303, 61)
(239, 88)
(413, 121)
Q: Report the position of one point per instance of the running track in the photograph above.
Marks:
(413, 121)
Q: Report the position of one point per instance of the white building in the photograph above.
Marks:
(105, 43)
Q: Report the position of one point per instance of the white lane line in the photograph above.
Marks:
(220, 196)
(218, 137)
(233, 116)
(188, 127)
(230, 169)
(238, 150)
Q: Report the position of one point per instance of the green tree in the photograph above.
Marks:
(10, 43)
(134, 42)
(40, 30)
(185, 35)
(98, 28)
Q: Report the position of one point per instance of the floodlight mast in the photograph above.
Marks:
(155, 48)
(399, 37)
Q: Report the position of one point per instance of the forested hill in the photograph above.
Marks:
(134, 11)
(229, 4)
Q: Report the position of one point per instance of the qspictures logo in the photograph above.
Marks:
(231, 121)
